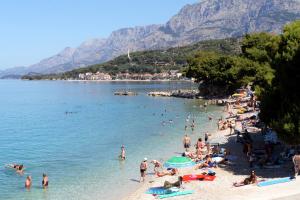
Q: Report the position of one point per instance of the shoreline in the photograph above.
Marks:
(222, 188)
(128, 80)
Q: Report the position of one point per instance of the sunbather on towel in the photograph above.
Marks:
(252, 179)
(208, 163)
(171, 172)
(177, 184)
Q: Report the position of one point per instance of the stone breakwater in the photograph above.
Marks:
(189, 94)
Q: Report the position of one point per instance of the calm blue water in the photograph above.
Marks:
(73, 132)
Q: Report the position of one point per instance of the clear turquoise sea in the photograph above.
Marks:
(73, 132)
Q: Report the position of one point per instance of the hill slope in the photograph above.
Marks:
(151, 61)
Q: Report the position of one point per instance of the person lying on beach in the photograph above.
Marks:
(190, 155)
(45, 181)
(171, 172)
(178, 184)
(28, 182)
(252, 179)
(157, 165)
(208, 163)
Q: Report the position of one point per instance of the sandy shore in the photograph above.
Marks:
(222, 187)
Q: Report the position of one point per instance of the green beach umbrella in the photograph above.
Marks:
(179, 162)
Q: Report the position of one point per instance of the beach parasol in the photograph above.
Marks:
(179, 162)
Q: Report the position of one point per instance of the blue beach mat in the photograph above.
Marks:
(273, 182)
(160, 191)
(176, 194)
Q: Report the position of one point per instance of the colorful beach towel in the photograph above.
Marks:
(197, 177)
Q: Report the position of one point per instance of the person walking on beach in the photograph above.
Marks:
(296, 161)
(206, 137)
(28, 182)
(45, 181)
(186, 142)
(143, 169)
(122, 156)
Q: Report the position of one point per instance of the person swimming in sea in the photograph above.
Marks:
(122, 155)
(45, 181)
(19, 168)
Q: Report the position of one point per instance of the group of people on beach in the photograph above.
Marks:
(19, 168)
(204, 153)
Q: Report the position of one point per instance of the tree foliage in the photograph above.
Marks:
(271, 63)
(281, 102)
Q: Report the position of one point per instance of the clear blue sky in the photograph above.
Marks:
(35, 29)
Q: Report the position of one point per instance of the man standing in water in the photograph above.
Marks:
(28, 182)
(45, 181)
(193, 126)
(186, 142)
(143, 169)
(122, 156)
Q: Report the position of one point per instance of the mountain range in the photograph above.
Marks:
(207, 19)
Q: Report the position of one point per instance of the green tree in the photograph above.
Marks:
(281, 102)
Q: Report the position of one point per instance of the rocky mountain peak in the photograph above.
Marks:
(207, 19)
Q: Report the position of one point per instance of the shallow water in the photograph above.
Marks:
(73, 132)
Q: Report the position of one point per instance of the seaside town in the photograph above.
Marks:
(171, 75)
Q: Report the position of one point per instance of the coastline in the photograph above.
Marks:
(222, 188)
(123, 80)
(129, 80)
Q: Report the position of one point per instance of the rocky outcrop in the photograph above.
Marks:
(208, 19)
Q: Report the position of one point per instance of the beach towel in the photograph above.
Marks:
(176, 194)
(197, 177)
(274, 181)
(217, 159)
